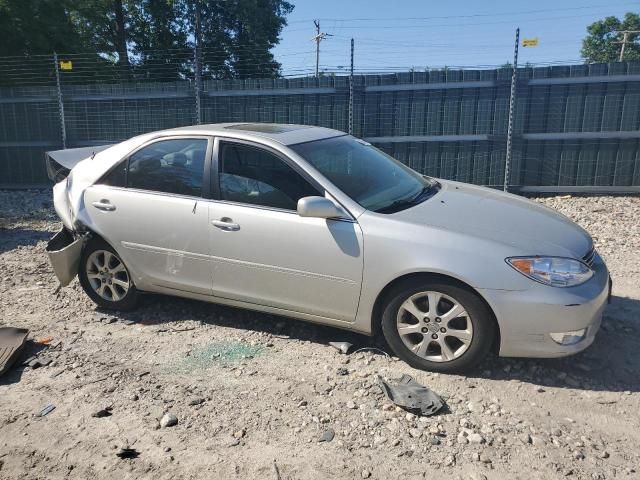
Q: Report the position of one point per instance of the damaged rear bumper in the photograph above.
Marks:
(64, 255)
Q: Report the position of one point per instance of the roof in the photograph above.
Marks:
(286, 134)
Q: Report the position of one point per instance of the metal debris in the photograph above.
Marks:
(46, 410)
(413, 397)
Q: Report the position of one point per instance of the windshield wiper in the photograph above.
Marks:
(425, 192)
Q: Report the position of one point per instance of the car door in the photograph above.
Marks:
(150, 208)
(263, 252)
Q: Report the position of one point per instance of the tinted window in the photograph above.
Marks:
(255, 176)
(369, 176)
(171, 166)
(117, 177)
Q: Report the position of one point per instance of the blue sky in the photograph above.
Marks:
(395, 35)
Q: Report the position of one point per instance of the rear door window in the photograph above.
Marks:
(170, 166)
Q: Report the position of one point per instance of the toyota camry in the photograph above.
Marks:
(314, 224)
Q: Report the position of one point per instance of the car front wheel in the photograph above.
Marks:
(438, 326)
(105, 278)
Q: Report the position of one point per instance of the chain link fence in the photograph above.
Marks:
(576, 127)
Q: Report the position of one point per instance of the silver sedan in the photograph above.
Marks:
(314, 224)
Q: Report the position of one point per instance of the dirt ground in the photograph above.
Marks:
(254, 394)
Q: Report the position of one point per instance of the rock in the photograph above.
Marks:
(302, 403)
(525, 438)
(379, 440)
(476, 476)
(239, 433)
(168, 420)
(604, 454)
(415, 433)
(578, 455)
(351, 405)
(327, 436)
(449, 460)
(196, 401)
(365, 474)
(434, 440)
(342, 371)
(476, 438)
(474, 407)
(538, 441)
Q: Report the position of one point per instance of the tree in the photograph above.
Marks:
(238, 35)
(103, 26)
(256, 26)
(147, 38)
(34, 27)
(159, 38)
(602, 44)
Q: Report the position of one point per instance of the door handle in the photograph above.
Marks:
(226, 224)
(104, 205)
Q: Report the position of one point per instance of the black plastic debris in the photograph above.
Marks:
(342, 347)
(12, 342)
(126, 453)
(103, 412)
(411, 396)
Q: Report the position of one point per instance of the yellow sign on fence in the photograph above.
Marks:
(530, 42)
(66, 65)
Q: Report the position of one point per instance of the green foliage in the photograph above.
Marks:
(602, 42)
(148, 38)
(32, 27)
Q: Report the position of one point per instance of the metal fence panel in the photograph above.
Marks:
(575, 126)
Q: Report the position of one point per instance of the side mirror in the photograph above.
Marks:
(318, 207)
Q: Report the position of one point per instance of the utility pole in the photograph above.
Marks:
(318, 38)
(512, 100)
(625, 40)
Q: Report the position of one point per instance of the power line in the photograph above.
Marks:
(526, 12)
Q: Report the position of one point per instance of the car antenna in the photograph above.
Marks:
(93, 154)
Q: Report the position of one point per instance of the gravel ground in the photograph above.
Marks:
(253, 395)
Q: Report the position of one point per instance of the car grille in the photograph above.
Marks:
(588, 258)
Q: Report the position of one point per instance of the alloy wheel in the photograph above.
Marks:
(107, 275)
(434, 326)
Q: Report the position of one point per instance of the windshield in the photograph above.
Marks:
(369, 176)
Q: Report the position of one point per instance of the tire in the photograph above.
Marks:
(467, 322)
(112, 287)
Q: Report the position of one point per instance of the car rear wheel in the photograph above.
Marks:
(105, 278)
(438, 326)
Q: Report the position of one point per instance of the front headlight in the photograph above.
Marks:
(553, 271)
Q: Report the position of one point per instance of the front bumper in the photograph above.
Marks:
(527, 318)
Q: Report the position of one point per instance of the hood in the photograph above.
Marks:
(527, 226)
